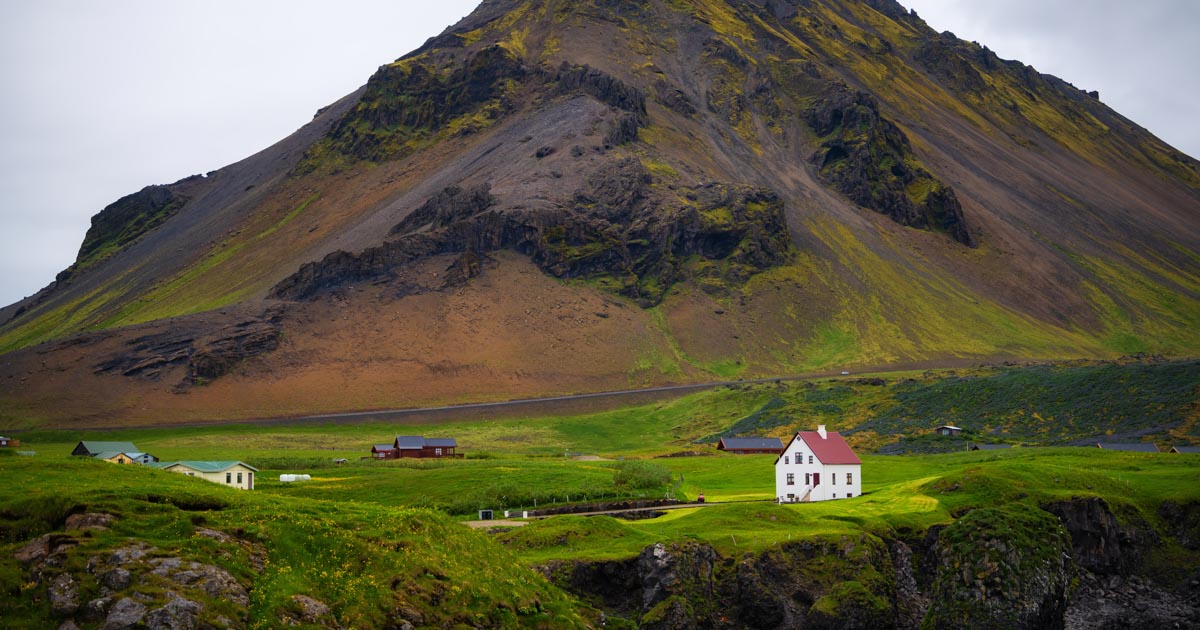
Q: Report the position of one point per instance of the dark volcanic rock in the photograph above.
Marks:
(64, 595)
(868, 158)
(449, 206)
(208, 355)
(1001, 568)
(1098, 542)
(123, 222)
(177, 614)
(619, 228)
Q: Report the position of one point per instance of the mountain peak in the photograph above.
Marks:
(646, 192)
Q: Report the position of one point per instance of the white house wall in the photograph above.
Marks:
(832, 477)
(219, 477)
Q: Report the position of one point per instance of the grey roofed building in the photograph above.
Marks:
(989, 447)
(89, 448)
(1185, 449)
(441, 442)
(406, 442)
(751, 445)
(1132, 447)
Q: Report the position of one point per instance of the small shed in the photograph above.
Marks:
(989, 447)
(1132, 447)
(384, 451)
(9, 442)
(947, 430)
(1185, 449)
(751, 446)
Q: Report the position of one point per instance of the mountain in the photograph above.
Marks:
(554, 197)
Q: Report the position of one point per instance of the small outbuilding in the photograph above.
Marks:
(227, 473)
(989, 447)
(1132, 447)
(383, 451)
(9, 442)
(751, 446)
(817, 466)
(1185, 449)
(948, 430)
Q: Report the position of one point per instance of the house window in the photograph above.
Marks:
(437, 451)
(808, 479)
(785, 459)
(833, 478)
(849, 495)
(835, 495)
(791, 479)
(239, 479)
(849, 479)
(810, 459)
(791, 497)
(228, 477)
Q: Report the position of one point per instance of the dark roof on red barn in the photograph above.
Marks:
(417, 442)
(751, 444)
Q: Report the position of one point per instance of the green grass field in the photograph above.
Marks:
(354, 531)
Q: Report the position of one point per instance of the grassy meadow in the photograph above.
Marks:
(355, 531)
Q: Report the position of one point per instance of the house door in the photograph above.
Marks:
(250, 482)
(816, 479)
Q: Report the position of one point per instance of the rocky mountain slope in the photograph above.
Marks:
(557, 196)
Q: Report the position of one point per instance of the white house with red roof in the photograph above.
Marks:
(817, 466)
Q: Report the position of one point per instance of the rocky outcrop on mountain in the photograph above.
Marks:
(207, 354)
(417, 96)
(123, 222)
(618, 227)
(868, 158)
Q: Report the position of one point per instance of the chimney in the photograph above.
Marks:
(821, 430)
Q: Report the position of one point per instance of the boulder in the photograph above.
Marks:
(177, 614)
(306, 611)
(91, 520)
(64, 595)
(126, 613)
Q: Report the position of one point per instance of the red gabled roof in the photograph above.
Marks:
(830, 450)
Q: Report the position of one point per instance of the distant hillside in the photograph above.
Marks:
(553, 197)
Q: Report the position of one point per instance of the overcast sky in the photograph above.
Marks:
(103, 98)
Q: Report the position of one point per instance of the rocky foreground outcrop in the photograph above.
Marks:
(1070, 565)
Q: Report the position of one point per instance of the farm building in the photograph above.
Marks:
(751, 446)
(817, 466)
(91, 449)
(1132, 447)
(228, 473)
(416, 446)
(9, 442)
(989, 447)
(1185, 449)
(948, 430)
(127, 458)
